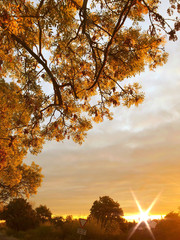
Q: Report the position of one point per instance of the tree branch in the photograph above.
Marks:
(119, 24)
(38, 59)
(39, 7)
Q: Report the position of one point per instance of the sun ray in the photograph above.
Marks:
(150, 231)
(153, 203)
(137, 203)
(143, 215)
(134, 229)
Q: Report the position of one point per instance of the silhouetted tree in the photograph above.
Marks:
(169, 227)
(19, 215)
(43, 213)
(57, 221)
(106, 210)
(69, 218)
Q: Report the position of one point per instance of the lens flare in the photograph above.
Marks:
(143, 216)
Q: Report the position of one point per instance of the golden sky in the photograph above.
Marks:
(138, 150)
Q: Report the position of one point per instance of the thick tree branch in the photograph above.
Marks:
(38, 59)
(119, 24)
(84, 15)
(39, 7)
(40, 42)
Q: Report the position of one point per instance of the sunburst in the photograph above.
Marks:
(144, 216)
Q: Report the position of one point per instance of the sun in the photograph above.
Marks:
(143, 216)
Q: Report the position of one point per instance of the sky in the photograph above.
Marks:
(137, 151)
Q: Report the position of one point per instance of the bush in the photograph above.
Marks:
(19, 215)
(39, 233)
(57, 221)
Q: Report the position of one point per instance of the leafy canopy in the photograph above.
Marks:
(106, 210)
(43, 213)
(83, 51)
(16, 179)
(62, 66)
(19, 215)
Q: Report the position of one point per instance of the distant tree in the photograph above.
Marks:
(69, 218)
(43, 213)
(57, 221)
(169, 227)
(106, 210)
(172, 216)
(19, 215)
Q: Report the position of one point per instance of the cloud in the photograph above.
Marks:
(144, 161)
(138, 150)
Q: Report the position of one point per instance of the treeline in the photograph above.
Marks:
(105, 222)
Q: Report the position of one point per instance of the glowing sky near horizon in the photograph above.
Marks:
(139, 150)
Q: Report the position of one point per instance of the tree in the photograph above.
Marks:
(17, 179)
(169, 227)
(81, 50)
(62, 64)
(43, 213)
(106, 210)
(19, 215)
(57, 221)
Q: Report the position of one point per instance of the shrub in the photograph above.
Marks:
(19, 215)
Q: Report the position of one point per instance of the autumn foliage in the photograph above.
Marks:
(16, 178)
(63, 63)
